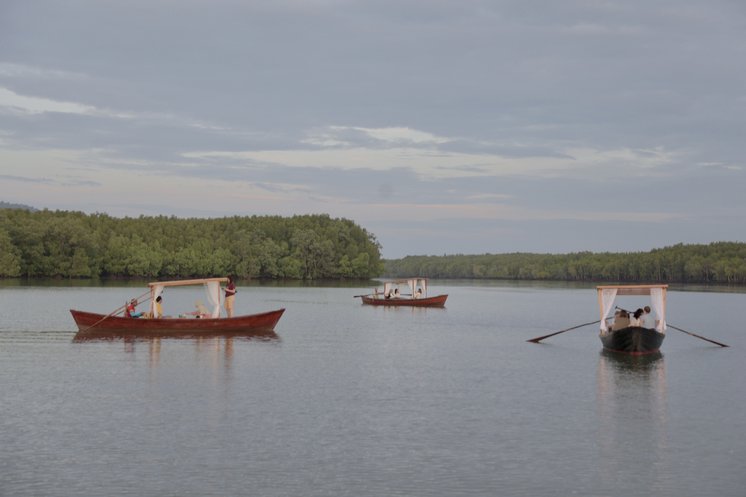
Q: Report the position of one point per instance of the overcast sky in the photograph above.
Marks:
(441, 126)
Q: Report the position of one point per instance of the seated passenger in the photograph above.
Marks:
(621, 320)
(129, 310)
(647, 318)
(201, 310)
(636, 320)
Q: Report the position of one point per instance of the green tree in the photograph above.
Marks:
(10, 261)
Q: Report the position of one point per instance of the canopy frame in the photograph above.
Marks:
(212, 288)
(607, 295)
(412, 283)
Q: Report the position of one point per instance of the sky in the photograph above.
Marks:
(440, 126)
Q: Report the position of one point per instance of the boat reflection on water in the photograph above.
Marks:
(631, 402)
(641, 364)
(205, 344)
(95, 336)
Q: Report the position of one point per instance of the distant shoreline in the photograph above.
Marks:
(717, 263)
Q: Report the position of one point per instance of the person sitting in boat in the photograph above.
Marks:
(418, 293)
(636, 319)
(621, 320)
(129, 310)
(200, 312)
(158, 307)
(647, 318)
(396, 293)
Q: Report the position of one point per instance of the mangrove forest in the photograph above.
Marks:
(714, 263)
(65, 244)
(69, 244)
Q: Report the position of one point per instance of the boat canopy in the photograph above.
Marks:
(212, 289)
(413, 283)
(607, 294)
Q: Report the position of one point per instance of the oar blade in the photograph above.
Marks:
(698, 336)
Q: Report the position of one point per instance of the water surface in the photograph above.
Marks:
(352, 400)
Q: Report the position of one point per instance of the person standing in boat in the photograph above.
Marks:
(230, 296)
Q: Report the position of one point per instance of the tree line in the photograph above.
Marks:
(69, 244)
(714, 263)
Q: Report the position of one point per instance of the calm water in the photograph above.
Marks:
(351, 400)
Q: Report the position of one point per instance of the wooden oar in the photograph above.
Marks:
(115, 311)
(538, 339)
(695, 335)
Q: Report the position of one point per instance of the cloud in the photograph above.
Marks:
(48, 181)
(34, 105)
(21, 71)
(351, 136)
(24, 179)
(15, 104)
(401, 135)
(429, 161)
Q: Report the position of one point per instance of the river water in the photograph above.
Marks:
(352, 400)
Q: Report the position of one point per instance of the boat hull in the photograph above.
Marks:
(633, 340)
(436, 301)
(90, 323)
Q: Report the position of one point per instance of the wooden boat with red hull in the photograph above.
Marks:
(632, 337)
(205, 322)
(437, 301)
(416, 295)
(86, 322)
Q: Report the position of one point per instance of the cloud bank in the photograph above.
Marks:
(444, 127)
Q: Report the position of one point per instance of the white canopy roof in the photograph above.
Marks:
(632, 289)
(199, 281)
